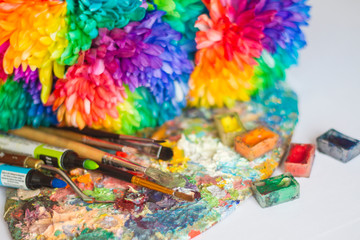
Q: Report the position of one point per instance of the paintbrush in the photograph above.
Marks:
(29, 162)
(102, 134)
(151, 149)
(125, 176)
(165, 179)
(147, 146)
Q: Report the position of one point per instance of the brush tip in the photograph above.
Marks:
(90, 165)
(166, 153)
(184, 196)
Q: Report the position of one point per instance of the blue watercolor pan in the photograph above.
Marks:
(338, 145)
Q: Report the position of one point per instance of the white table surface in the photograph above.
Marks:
(327, 81)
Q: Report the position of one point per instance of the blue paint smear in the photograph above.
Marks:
(281, 106)
(167, 221)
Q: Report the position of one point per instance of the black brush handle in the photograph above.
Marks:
(102, 134)
(115, 172)
(92, 132)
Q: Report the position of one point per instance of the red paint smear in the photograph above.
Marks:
(194, 233)
(206, 180)
(18, 214)
(299, 154)
(124, 205)
(240, 184)
(121, 154)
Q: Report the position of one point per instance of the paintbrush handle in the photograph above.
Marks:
(63, 133)
(81, 149)
(151, 185)
(102, 134)
(11, 159)
(82, 138)
(20, 160)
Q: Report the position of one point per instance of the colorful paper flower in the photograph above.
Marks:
(86, 17)
(228, 42)
(143, 54)
(283, 39)
(119, 67)
(36, 33)
(37, 113)
(3, 47)
(86, 96)
(181, 16)
(141, 109)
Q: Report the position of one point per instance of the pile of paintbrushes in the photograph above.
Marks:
(58, 149)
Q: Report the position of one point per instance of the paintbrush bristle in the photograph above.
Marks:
(166, 153)
(165, 179)
(184, 196)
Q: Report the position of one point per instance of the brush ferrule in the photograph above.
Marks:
(33, 163)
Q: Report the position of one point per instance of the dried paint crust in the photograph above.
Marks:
(222, 176)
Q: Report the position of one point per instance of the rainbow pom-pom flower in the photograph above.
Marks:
(126, 65)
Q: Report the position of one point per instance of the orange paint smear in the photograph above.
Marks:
(256, 136)
(194, 233)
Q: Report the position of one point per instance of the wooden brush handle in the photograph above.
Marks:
(12, 159)
(81, 149)
(63, 133)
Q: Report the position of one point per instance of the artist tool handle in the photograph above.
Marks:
(102, 143)
(151, 185)
(82, 138)
(63, 133)
(115, 172)
(121, 162)
(11, 159)
(82, 149)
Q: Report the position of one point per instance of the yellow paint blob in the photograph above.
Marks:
(230, 124)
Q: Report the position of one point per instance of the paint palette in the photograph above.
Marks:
(255, 143)
(300, 159)
(338, 145)
(222, 177)
(229, 126)
(276, 190)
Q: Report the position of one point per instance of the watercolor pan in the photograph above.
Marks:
(338, 145)
(276, 190)
(300, 159)
(229, 126)
(255, 143)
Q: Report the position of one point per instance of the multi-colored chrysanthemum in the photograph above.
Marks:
(181, 15)
(124, 65)
(244, 46)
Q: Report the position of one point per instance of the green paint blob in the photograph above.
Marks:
(98, 234)
(101, 194)
(212, 201)
(90, 165)
(57, 233)
(234, 194)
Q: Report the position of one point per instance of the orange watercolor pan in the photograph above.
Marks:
(255, 143)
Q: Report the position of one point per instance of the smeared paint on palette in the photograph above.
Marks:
(222, 176)
(255, 143)
(338, 145)
(300, 159)
(276, 190)
(229, 126)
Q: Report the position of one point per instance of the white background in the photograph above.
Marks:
(327, 83)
